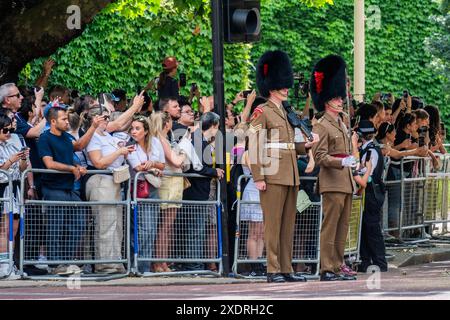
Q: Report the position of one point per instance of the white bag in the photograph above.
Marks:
(186, 145)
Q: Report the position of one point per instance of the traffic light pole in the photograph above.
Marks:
(219, 107)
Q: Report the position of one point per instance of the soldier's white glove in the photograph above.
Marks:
(349, 162)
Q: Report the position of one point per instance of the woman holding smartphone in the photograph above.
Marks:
(13, 159)
(148, 155)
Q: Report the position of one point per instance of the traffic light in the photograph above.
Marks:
(242, 20)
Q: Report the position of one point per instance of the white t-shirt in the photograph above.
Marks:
(107, 144)
(373, 159)
(139, 156)
(123, 136)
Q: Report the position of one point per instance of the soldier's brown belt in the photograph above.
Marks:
(340, 155)
(283, 146)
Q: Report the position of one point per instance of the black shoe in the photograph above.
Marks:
(275, 277)
(289, 277)
(329, 276)
(33, 271)
(345, 277)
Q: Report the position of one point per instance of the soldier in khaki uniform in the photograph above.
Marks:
(273, 156)
(333, 155)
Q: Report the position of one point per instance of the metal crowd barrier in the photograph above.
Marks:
(196, 237)
(418, 200)
(353, 243)
(6, 229)
(306, 248)
(90, 239)
(437, 212)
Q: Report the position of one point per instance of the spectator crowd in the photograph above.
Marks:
(56, 128)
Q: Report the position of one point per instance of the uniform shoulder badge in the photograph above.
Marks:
(257, 112)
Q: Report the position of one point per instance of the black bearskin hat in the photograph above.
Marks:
(328, 81)
(274, 72)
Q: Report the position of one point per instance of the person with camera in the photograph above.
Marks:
(168, 86)
(273, 148)
(106, 152)
(13, 159)
(147, 156)
(437, 130)
(333, 155)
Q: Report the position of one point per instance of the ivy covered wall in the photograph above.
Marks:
(396, 56)
(117, 50)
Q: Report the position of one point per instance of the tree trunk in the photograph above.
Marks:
(37, 28)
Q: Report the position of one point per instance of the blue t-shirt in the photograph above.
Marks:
(60, 148)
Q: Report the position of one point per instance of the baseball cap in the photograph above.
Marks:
(170, 63)
(366, 127)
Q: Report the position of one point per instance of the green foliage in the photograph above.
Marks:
(396, 58)
(125, 44)
(119, 51)
(438, 44)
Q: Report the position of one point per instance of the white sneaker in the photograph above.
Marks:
(6, 275)
(42, 266)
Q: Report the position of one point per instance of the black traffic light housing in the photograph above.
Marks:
(242, 20)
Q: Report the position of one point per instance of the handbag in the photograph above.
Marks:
(121, 174)
(186, 183)
(303, 201)
(154, 180)
(143, 189)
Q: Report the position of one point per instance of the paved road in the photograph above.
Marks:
(430, 281)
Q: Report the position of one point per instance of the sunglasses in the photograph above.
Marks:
(15, 95)
(7, 130)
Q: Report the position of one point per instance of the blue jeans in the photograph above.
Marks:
(147, 224)
(65, 226)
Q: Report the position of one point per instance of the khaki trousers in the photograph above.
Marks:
(108, 220)
(278, 203)
(337, 208)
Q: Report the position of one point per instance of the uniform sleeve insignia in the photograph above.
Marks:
(258, 111)
(254, 129)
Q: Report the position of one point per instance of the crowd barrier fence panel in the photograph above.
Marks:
(6, 228)
(77, 234)
(196, 238)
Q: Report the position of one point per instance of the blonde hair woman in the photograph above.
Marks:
(171, 188)
(148, 155)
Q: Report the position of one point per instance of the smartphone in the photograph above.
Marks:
(193, 87)
(183, 80)
(101, 102)
(405, 94)
(130, 142)
(246, 93)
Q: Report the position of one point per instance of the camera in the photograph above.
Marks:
(194, 87)
(183, 80)
(301, 87)
(246, 93)
(385, 96)
(422, 134)
(405, 94)
(101, 102)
